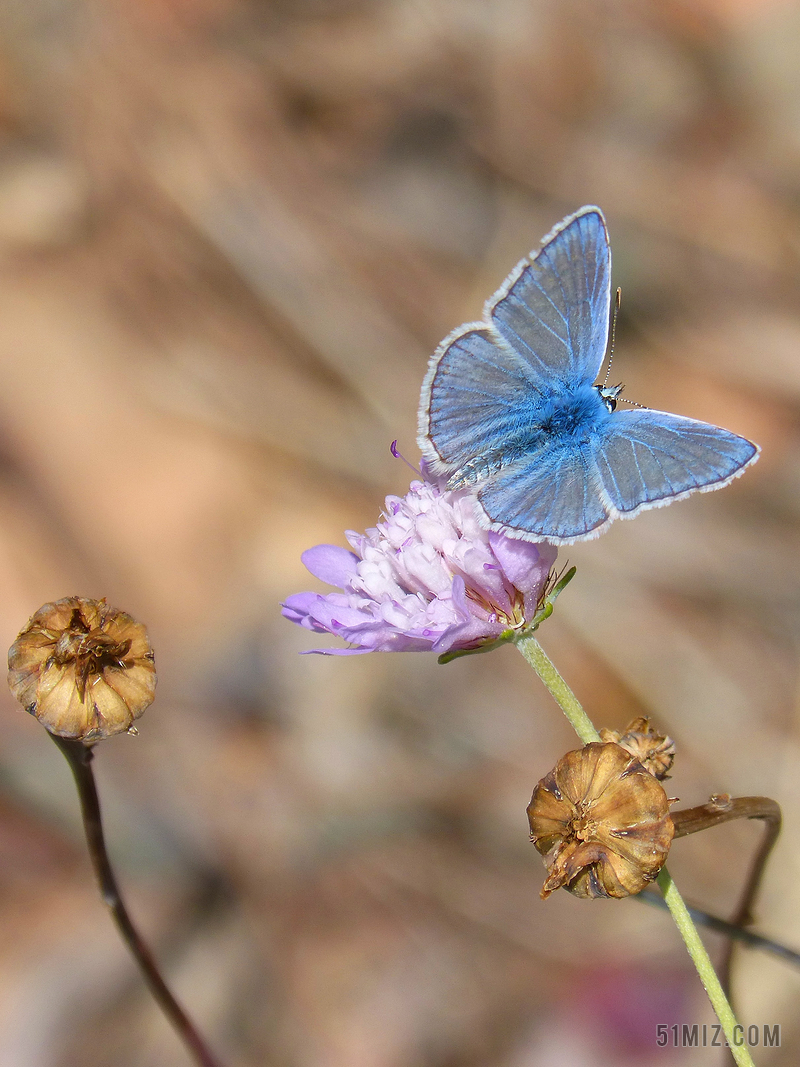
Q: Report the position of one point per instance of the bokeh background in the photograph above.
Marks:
(231, 234)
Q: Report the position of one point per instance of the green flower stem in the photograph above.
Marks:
(583, 726)
(708, 976)
(562, 694)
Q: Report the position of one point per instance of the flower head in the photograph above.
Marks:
(602, 823)
(429, 577)
(84, 669)
(655, 751)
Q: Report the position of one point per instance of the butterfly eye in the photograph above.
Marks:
(610, 395)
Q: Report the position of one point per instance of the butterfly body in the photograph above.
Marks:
(510, 406)
(571, 418)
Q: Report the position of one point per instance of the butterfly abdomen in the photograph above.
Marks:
(480, 468)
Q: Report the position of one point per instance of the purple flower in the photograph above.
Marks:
(427, 578)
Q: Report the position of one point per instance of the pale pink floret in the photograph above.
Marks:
(428, 577)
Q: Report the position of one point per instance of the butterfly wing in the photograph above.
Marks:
(555, 493)
(637, 460)
(646, 459)
(547, 329)
(554, 307)
(476, 397)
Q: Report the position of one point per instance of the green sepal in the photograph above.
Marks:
(487, 646)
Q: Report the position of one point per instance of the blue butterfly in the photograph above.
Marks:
(510, 405)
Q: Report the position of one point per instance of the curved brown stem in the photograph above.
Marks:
(720, 809)
(79, 756)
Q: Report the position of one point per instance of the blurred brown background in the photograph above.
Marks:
(231, 233)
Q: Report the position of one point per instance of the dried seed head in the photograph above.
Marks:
(602, 823)
(84, 669)
(653, 750)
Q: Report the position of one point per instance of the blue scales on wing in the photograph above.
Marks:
(553, 309)
(482, 396)
(555, 493)
(650, 458)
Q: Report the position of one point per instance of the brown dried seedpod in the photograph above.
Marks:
(602, 823)
(653, 750)
(84, 669)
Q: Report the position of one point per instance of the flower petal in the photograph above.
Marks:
(524, 563)
(331, 564)
(297, 608)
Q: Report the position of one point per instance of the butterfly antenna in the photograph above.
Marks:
(617, 302)
(616, 393)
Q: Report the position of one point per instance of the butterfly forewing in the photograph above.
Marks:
(554, 308)
(554, 494)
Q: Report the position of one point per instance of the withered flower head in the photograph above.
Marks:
(653, 750)
(602, 823)
(84, 669)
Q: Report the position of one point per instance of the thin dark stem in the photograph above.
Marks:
(79, 757)
(724, 809)
(723, 926)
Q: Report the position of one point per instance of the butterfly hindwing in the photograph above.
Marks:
(647, 458)
(555, 493)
